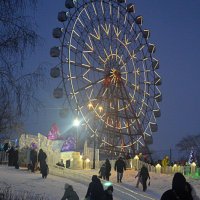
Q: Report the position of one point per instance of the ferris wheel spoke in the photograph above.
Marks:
(84, 44)
(88, 67)
(88, 86)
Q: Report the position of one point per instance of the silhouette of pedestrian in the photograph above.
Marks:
(109, 193)
(33, 158)
(44, 170)
(16, 158)
(10, 156)
(120, 166)
(95, 189)
(179, 189)
(102, 171)
(139, 180)
(107, 169)
(69, 194)
(43, 165)
(191, 191)
(144, 175)
(42, 158)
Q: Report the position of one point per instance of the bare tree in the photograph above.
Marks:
(188, 143)
(18, 39)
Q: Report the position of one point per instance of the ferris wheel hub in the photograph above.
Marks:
(116, 76)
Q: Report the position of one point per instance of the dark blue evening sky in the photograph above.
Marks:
(175, 29)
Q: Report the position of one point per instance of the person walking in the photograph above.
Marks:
(11, 153)
(44, 170)
(69, 194)
(33, 158)
(120, 166)
(95, 189)
(43, 165)
(41, 155)
(138, 180)
(107, 169)
(16, 158)
(102, 171)
(179, 189)
(144, 175)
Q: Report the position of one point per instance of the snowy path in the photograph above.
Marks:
(123, 190)
(53, 186)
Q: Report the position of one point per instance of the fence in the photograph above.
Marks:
(136, 164)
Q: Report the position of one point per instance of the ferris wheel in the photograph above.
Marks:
(108, 72)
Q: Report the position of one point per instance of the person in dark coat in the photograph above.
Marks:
(41, 156)
(61, 163)
(16, 158)
(42, 160)
(109, 193)
(6, 147)
(44, 170)
(144, 175)
(102, 171)
(95, 189)
(120, 166)
(33, 159)
(69, 194)
(10, 156)
(107, 169)
(139, 180)
(191, 190)
(179, 189)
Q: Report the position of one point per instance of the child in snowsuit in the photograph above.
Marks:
(102, 172)
(109, 193)
(69, 194)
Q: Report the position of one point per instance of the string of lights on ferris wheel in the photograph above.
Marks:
(106, 61)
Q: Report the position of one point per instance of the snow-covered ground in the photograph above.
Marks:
(53, 186)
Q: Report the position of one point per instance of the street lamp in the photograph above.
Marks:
(100, 109)
(76, 123)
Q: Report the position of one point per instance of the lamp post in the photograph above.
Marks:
(76, 123)
(100, 109)
(94, 151)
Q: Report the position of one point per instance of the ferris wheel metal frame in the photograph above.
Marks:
(108, 73)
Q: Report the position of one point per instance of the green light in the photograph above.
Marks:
(107, 184)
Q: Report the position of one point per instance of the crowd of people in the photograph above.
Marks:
(34, 159)
(181, 189)
(13, 156)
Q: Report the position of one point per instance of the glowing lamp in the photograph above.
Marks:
(87, 160)
(76, 122)
(100, 108)
(193, 164)
(158, 166)
(136, 157)
(90, 106)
